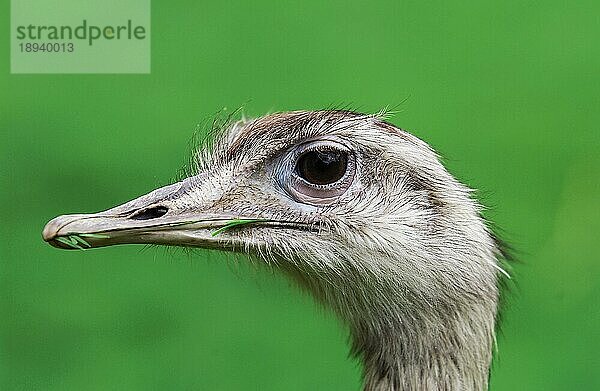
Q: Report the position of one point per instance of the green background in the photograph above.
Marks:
(507, 92)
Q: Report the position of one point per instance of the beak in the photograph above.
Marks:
(150, 219)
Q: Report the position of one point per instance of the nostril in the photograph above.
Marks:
(150, 213)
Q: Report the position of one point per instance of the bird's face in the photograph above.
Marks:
(327, 194)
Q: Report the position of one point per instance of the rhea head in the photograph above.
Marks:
(358, 212)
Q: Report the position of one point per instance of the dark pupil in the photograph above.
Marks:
(322, 167)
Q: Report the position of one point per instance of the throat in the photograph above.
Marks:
(449, 352)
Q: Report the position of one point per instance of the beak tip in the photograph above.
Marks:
(51, 229)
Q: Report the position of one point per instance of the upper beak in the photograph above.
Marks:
(150, 219)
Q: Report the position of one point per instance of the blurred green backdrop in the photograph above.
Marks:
(507, 92)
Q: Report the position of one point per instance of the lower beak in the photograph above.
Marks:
(81, 231)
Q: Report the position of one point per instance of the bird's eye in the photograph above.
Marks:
(322, 167)
(323, 170)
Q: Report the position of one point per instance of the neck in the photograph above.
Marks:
(449, 352)
(408, 342)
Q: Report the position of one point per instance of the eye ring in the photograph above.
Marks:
(322, 171)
